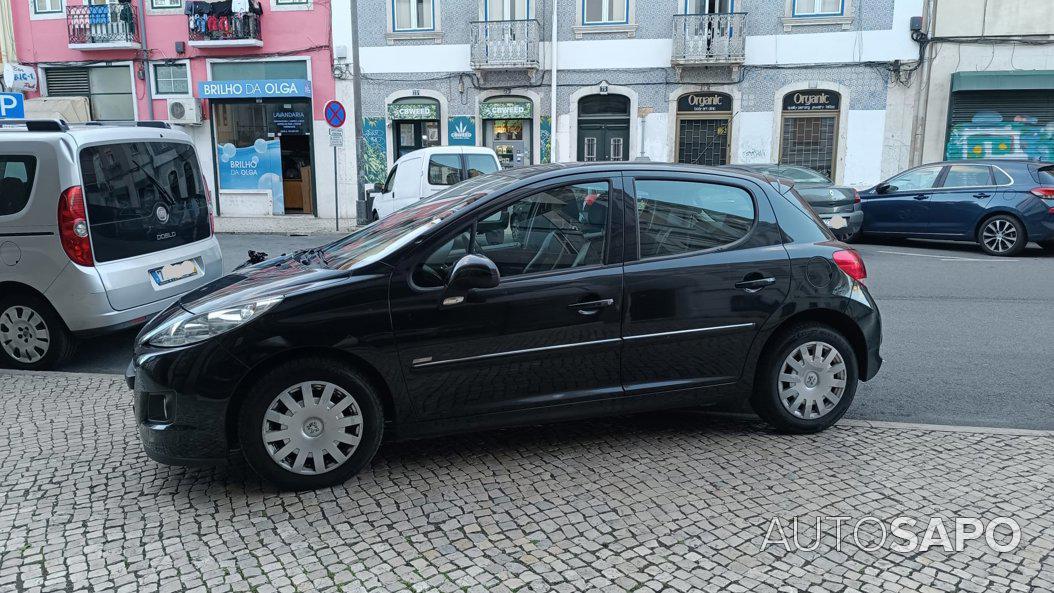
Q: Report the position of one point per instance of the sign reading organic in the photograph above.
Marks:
(461, 130)
(234, 89)
(812, 100)
(704, 102)
(414, 111)
(506, 110)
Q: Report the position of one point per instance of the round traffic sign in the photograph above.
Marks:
(335, 114)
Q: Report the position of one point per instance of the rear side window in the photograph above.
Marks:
(678, 217)
(1045, 175)
(143, 197)
(968, 176)
(480, 164)
(16, 182)
(444, 169)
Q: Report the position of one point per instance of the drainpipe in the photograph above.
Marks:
(922, 94)
(553, 43)
(146, 60)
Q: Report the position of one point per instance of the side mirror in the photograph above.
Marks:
(474, 271)
(883, 188)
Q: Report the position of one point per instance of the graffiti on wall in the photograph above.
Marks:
(374, 149)
(546, 139)
(990, 134)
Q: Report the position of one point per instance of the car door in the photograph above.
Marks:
(895, 207)
(548, 334)
(407, 186)
(959, 201)
(708, 269)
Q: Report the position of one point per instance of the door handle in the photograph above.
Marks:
(982, 195)
(592, 307)
(922, 196)
(753, 285)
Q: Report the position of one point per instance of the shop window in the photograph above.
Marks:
(47, 6)
(16, 182)
(413, 15)
(817, 8)
(678, 217)
(171, 80)
(605, 12)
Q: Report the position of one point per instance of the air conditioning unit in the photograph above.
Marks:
(184, 111)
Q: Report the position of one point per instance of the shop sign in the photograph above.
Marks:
(461, 130)
(812, 100)
(289, 121)
(238, 89)
(257, 166)
(413, 111)
(20, 78)
(506, 110)
(704, 102)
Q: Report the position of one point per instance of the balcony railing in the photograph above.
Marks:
(505, 44)
(236, 30)
(103, 26)
(704, 39)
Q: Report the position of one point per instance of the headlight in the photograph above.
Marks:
(191, 329)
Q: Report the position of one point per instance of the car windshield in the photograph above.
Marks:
(381, 238)
(796, 173)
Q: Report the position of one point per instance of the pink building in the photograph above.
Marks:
(247, 79)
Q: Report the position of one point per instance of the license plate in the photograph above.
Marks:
(837, 222)
(173, 272)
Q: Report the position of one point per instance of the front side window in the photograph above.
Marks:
(818, 7)
(171, 79)
(915, 179)
(413, 15)
(16, 182)
(968, 176)
(444, 169)
(480, 164)
(47, 6)
(598, 12)
(677, 217)
(389, 182)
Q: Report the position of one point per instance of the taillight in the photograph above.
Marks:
(850, 262)
(1047, 193)
(73, 227)
(856, 197)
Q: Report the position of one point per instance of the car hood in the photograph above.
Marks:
(275, 277)
(824, 194)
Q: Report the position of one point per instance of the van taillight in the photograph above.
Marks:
(73, 227)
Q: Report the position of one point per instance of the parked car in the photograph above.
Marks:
(535, 294)
(101, 226)
(838, 206)
(424, 172)
(999, 204)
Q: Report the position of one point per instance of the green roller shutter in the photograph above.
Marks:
(1011, 124)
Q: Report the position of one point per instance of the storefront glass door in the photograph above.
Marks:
(413, 135)
(511, 140)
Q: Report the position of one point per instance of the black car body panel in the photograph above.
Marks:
(632, 331)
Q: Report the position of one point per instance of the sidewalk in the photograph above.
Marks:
(675, 501)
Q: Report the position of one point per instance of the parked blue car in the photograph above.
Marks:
(999, 204)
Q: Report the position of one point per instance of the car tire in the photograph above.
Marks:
(1002, 235)
(316, 436)
(32, 335)
(791, 410)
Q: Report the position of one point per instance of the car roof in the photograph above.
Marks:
(996, 162)
(534, 173)
(90, 133)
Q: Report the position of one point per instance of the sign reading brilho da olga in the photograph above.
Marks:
(812, 100)
(506, 110)
(413, 111)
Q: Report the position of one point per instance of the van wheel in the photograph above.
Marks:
(1002, 235)
(806, 379)
(32, 336)
(310, 423)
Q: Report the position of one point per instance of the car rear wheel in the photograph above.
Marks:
(310, 423)
(806, 379)
(1002, 235)
(32, 336)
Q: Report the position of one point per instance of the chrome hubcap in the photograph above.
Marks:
(312, 427)
(999, 236)
(812, 380)
(23, 334)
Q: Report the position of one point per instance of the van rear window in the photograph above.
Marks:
(143, 197)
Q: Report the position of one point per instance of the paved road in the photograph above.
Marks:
(670, 502)
(968, 337)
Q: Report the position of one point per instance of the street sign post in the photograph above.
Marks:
(12, 106)
(335, 115)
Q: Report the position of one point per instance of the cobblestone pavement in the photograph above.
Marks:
(675, 501)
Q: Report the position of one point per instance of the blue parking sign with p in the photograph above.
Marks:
(12, 106)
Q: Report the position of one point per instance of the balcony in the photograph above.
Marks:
(103, 27)
(709, 39)
(235, 30)
(505, 45)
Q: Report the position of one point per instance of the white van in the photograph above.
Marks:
(101, 227)
(424, 172)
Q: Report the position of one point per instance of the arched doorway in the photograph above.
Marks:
(415, 124)
(603, 128)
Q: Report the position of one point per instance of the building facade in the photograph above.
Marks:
(816, 82)
(989, 82)
(247, 79)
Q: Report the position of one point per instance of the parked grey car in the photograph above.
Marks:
(101, 227)
(837, 205)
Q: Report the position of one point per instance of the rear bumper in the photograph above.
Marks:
(854, 222)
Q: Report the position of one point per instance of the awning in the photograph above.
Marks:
(1019, 80)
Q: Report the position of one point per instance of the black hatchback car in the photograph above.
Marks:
(536, 294)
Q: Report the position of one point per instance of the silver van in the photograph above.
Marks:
(101, 226)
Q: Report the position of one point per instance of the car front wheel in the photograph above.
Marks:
(1002, 235)
(310, 423)
(32, 336)
(806, 379)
